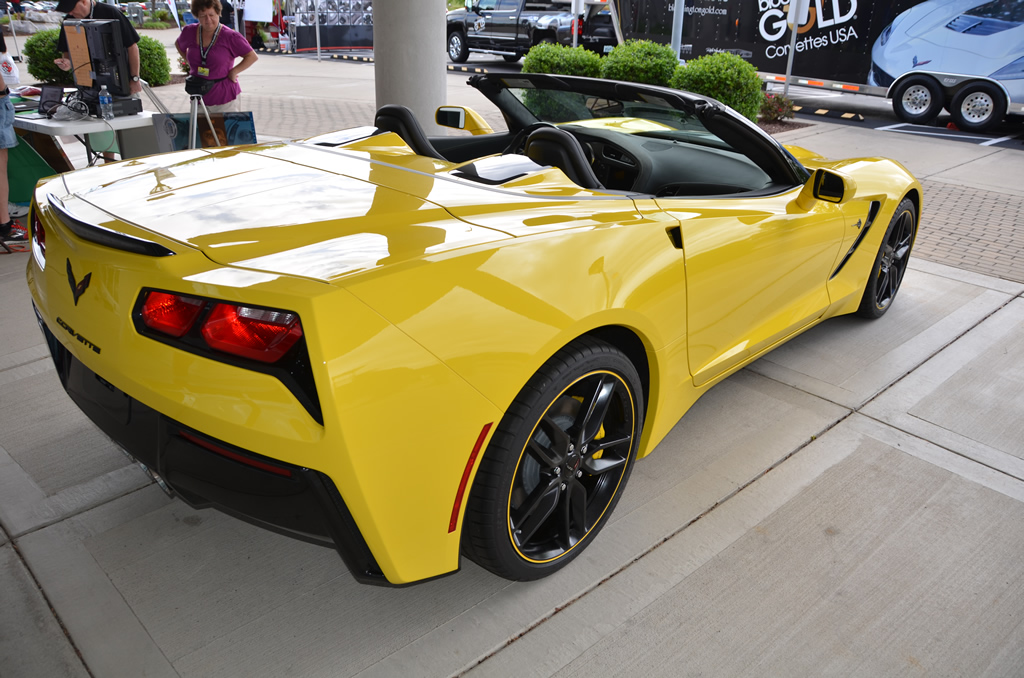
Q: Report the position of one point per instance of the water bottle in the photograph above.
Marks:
(106, 104)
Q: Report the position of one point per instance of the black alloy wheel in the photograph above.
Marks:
(557, 464)
(891, 262)
(458, 51)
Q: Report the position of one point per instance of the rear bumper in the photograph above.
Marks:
(205, 472)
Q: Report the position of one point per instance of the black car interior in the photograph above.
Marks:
(699, 160)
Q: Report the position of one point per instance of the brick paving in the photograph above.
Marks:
(972, 229)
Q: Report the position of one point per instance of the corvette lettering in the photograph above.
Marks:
(82, 340)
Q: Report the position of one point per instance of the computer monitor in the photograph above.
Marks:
(98, 56)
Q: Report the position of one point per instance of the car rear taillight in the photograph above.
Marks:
(262, 334)
(171, 314)
(266, 340)
(256, 333)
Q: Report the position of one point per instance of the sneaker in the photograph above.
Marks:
(17, 209)
(12, 231)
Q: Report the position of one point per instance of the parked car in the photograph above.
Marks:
(509, 28)
(459, 344)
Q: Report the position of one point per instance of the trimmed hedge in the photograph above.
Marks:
(725, 77)
(548, 57)
(640, 61)
(40, 50)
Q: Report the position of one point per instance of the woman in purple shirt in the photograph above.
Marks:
(211, 50)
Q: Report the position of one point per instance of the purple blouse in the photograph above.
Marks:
(220, 59)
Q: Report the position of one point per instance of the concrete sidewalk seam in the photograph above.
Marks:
(623, 568)
(53, 610)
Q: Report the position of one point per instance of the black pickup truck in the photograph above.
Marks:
(509, 28)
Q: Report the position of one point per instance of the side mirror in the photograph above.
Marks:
(827, 186)
(459, 117)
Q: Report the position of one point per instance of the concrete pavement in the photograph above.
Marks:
(851, 504)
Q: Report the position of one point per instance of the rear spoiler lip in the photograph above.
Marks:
(105, 236)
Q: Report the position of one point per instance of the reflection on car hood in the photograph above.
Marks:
(303, 209)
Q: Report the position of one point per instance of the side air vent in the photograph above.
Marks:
(104, 236)
(872, 213)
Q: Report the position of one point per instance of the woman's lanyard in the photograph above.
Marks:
(203, 70)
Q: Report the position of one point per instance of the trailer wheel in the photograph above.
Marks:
(918, 100)
(978, 106)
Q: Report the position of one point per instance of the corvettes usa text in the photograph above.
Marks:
(451, 345)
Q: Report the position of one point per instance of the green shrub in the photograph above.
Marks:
(725, 77)
(548, 57)
(155, 25)
(162, 15)
(183, 65)
(154, 66)
(40, 50)
(776, 107)
(640, 61)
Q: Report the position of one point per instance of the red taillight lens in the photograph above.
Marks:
(170, 314)
(255, 333)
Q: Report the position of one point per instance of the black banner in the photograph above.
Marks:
(835, 43)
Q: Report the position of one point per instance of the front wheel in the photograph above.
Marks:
(458, 51)
(511, 58)
(978, 106)
(918, 100)
(890, 262)
(557, 464)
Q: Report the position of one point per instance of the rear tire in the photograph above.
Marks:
(978, 107)
(890, 262)
(557, 464)
(917, 100)
(458, 50)
(511, 58)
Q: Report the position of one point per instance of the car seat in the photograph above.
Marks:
(400, 120)
(557, 148)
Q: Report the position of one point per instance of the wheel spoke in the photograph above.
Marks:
(596, 467)
(595, 408)
(883, 286)
(606, 443)
(553, 454)
(537, 508)
(574, 515)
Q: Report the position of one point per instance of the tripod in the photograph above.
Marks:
(196, 100)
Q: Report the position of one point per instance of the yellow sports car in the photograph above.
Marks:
(449, 345)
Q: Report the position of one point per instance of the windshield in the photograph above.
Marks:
(651, 117)
(1010, 11)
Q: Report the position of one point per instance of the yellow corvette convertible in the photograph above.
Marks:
(449, 345)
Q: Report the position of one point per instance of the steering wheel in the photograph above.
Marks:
(519, 140)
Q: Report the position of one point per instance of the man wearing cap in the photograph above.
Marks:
(90, 9)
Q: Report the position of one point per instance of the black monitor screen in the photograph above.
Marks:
(98, 56)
